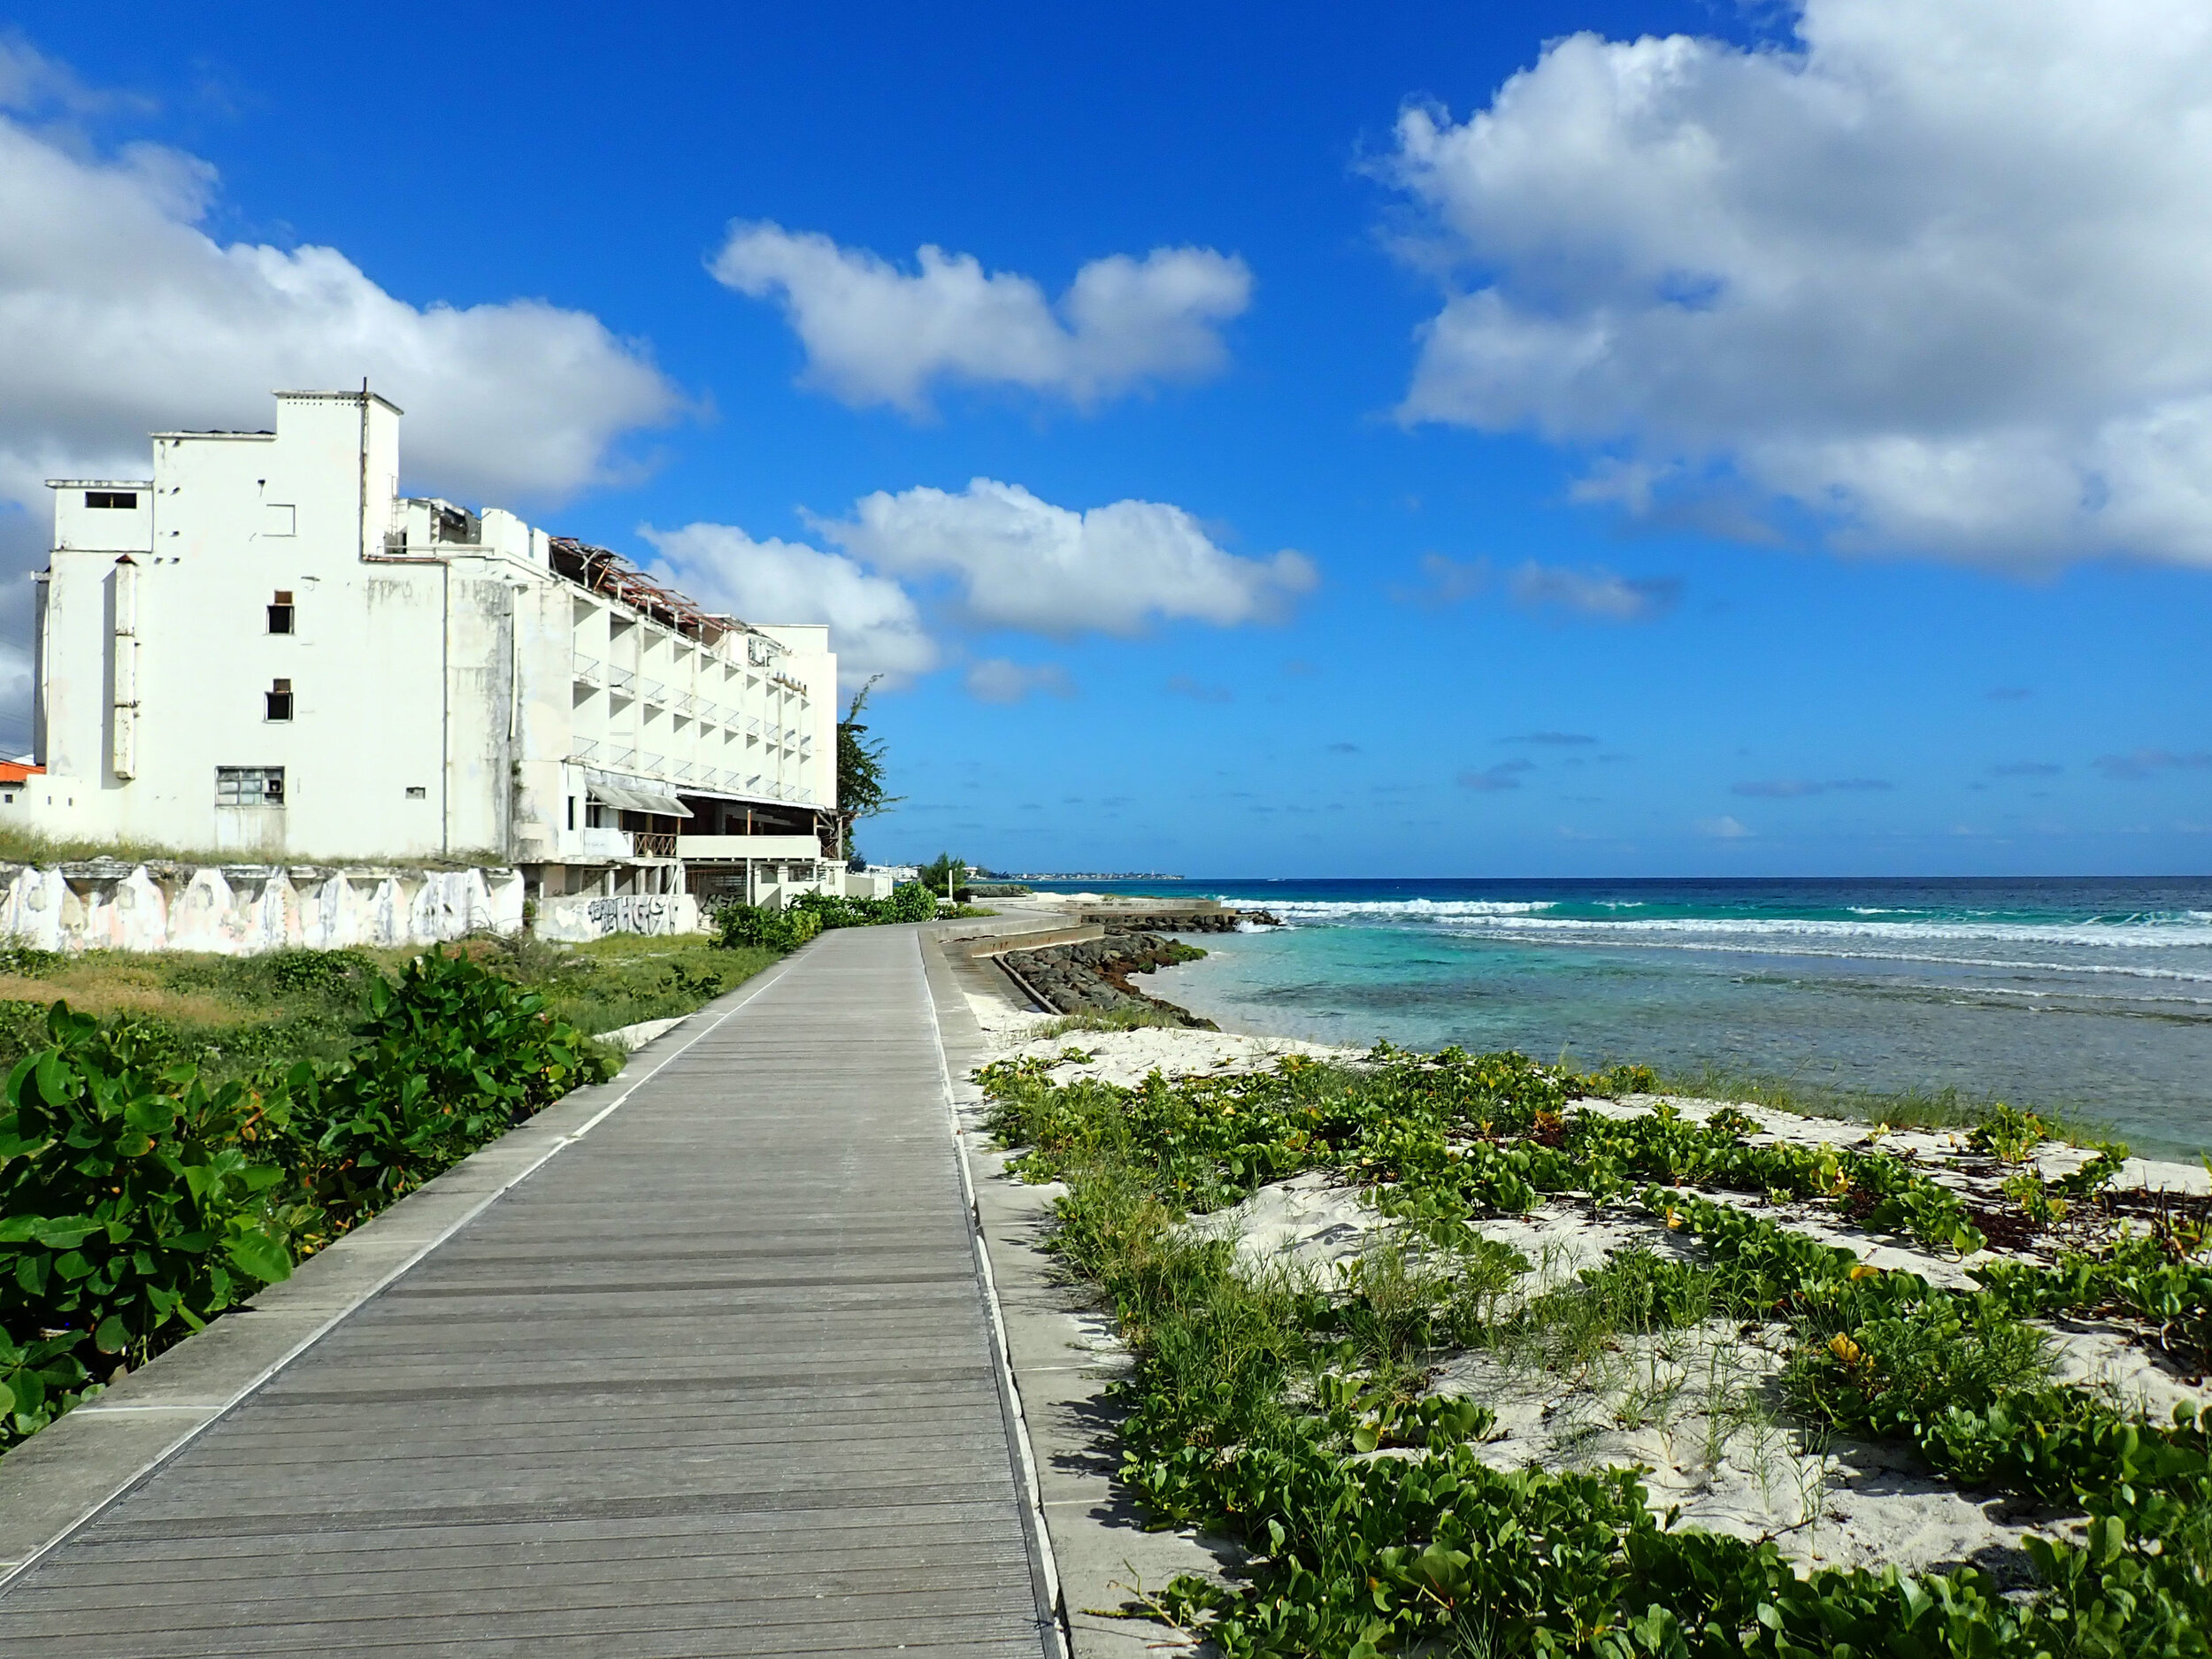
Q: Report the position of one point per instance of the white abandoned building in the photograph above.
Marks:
(264, 652)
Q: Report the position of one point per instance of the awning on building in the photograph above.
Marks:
(630, 799)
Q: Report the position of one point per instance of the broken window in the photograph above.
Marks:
(126, 499)
(250, 785)
(281, 612)
(279, 700)
(417, 792)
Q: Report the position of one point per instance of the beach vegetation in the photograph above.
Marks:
(1297, 1414)
(756, 927)
(1129, 1017)
(156, 1170)
(1949, 1107)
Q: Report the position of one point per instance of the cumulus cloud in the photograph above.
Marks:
(1008, 559)
(1941, 273)
(874, 625)
(1790, 788)
(2136, 764)
(119, 315)
(1723, 828)
(1023, 563)
(875, 334)
(1505, 775)
(997, 680)
(1596, 593)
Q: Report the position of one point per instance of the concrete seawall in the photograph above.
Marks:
(241, 910)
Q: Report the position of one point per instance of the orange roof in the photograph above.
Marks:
(17, 770)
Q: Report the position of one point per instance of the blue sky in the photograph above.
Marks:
(1478, 440)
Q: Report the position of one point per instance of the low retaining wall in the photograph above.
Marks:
(241, 910)
(578, 918)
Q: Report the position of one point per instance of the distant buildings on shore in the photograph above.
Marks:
(1081, 875)
(264, 652)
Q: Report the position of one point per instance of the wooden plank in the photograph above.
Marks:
(715, 1380)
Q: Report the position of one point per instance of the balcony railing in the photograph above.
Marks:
(655, 692)
(621, 679)
(587, 669)
(623, 758)
(651, 846)
(582, 748)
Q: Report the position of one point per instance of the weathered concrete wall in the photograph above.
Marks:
(241, 910)
(578, 918)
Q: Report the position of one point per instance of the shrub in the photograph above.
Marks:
(451, 1056)
(755, 926)
(132, 1206)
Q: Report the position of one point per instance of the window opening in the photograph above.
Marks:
(278, 699)
(126, 499)
(281, 612)
(250, 785)
(417, 792)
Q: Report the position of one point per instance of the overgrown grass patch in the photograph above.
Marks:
(1130, 1017)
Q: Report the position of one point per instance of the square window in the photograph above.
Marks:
(417, 792)
(250, 785)
(281, 612)
(277, 700)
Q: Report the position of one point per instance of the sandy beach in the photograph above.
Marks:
(1699, 1410)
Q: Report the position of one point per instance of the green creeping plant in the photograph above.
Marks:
(132, 1209)
(1374, 1523)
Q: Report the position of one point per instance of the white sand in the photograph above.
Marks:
(1698, 1410)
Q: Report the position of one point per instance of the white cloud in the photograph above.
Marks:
(874, 626)
(119, 315)
(997, 680)
(1022, 562)
(876, 334)
(1724, 829)
(1941, 275)
(1595, 592)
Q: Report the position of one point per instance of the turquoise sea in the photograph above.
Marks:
(2092, 995)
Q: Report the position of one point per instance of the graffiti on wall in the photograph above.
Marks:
(637, 913)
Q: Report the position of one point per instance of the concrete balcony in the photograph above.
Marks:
(782, 849)
(606, 843)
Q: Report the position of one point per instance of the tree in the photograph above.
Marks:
(945, 876)
(860, 771)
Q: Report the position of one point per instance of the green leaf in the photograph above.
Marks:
(260, 1257)
(151, 1115)
(110, 1337)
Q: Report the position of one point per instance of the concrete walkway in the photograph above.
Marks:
(716, 1378)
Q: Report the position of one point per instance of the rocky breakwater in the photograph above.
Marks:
(1092, 978)
(1208, 918)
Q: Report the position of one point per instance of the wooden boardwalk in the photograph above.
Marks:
(716, 1380)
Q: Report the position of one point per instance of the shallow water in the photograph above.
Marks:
(2091, 996)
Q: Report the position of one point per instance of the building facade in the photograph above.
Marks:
(264, 653)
